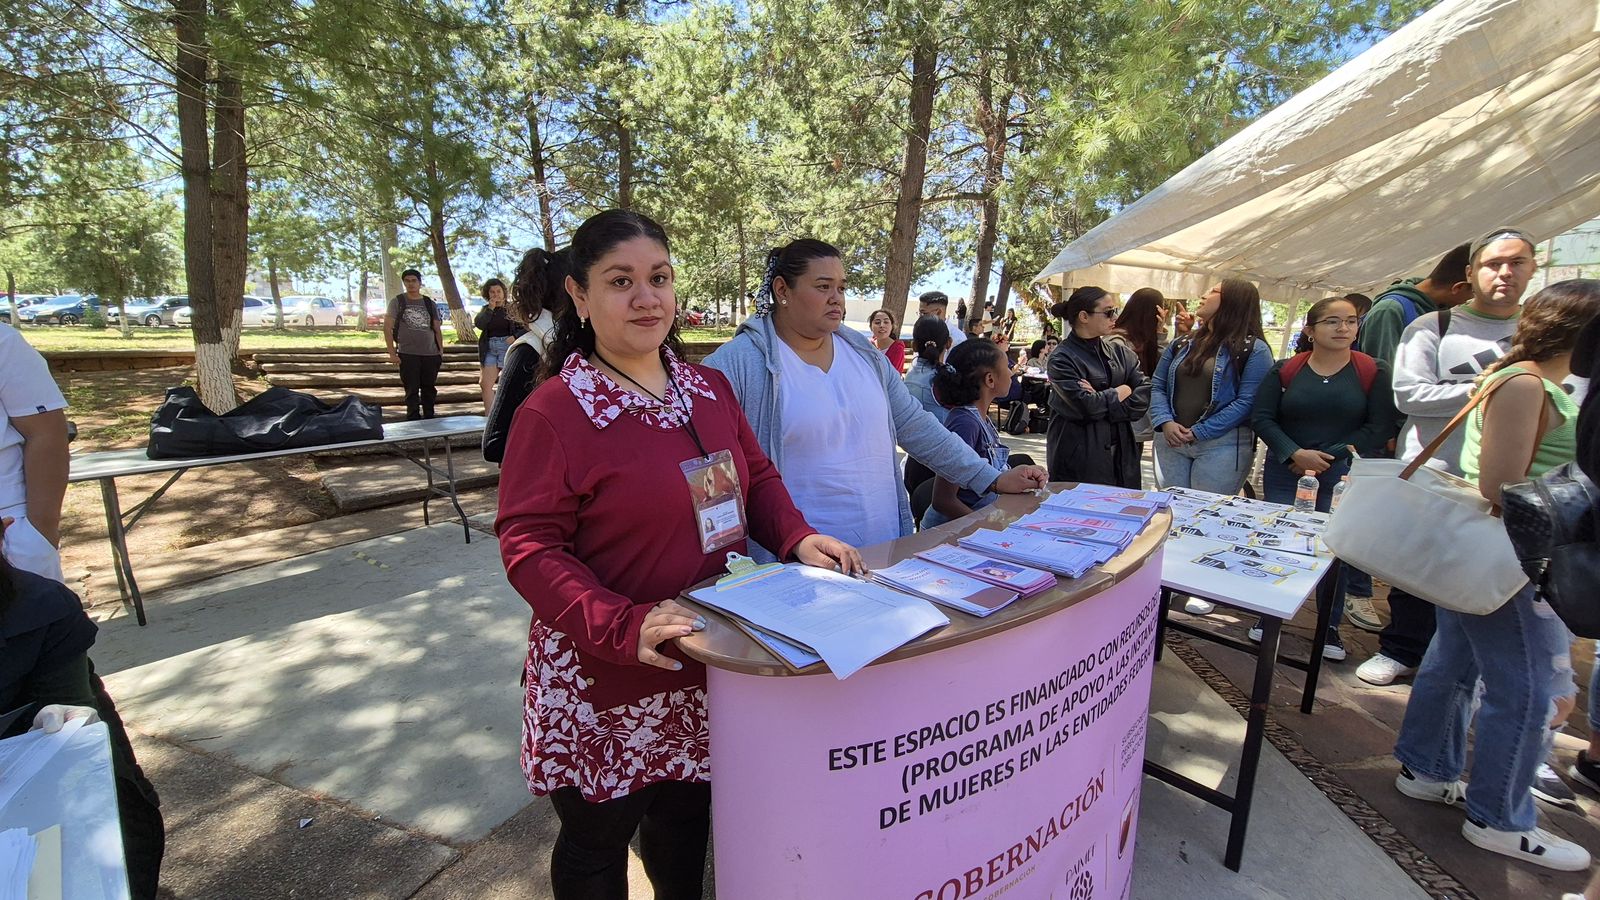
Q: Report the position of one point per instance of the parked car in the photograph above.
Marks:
(68, 309)
(22, 300)
(140, 310)
(259, 312)
(169, 306)
(303, 309)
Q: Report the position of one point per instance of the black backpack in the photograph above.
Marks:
(1552, 521)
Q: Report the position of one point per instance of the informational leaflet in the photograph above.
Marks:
(847, 621)
(1114, 532)
(1137, 512)
(1301, 542)
(1159, 498)
(1063, 556)
(25, 755)
(1228, 560)
(945, 587)
(1025, 580)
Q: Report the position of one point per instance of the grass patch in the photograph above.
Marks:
(46, 338)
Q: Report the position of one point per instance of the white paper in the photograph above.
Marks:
(16, 863)
(848, 622)
(23, 756)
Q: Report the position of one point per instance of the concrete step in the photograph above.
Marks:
(385, 481)
(379, 364)
(338, 381)
(396, 396)
(378, 354)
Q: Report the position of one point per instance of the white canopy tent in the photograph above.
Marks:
(1476, 114)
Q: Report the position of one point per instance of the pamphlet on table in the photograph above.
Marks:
(1025, 580)
(1114, 532)
(848, 622)
(1063, 556)
(945, 587)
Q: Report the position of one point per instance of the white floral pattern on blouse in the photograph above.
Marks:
(604, 401)
(610, 753)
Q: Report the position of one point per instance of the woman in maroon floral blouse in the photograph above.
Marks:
(600, 530)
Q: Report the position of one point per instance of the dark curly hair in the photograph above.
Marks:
(956, 383)
(540, 283)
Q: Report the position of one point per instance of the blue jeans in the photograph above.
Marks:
(1278, 483)
(495, 354)
(1517, 651)
(1219, 465)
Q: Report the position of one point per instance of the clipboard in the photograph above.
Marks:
(741, 569)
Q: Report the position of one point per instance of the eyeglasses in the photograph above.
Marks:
(1108, 313)
(1335, 322)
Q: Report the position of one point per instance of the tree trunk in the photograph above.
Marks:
(744, 267)
(908, 204)
(392, 287)
(541, 184)
(11, 298)
(277, 297)
(441, 261)
(361, 304)
(1002, 290)
(992, 125)
(191, 64)
(230, 207)
(624, 164)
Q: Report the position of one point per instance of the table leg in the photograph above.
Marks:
(1327, 593)
(1254, 732)
(119, 547)
(1161, 622)
(455, 501)
(427, 465)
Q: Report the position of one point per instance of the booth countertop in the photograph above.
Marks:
(723, 645)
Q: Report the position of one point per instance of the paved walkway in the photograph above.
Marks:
(345, 724)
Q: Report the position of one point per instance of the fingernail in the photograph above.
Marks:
(676, 666)
(699, 623)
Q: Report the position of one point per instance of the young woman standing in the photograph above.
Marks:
(600, 528)
(886, 337)
(1202, 395)
(496, 330)
(1096, 394)
(1518, 655)
(1317, 408)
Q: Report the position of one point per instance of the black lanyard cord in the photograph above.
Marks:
(688, 416)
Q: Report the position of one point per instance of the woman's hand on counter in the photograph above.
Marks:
(825, 552)
(669, 620)
(1020, 480)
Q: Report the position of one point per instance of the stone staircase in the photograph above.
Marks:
(334, 373)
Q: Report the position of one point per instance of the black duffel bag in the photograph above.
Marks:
(278, 419)
(1552, 523)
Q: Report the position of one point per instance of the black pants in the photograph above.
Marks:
(590, 859)
(420, 374)
(144, 837)
(1410, 630)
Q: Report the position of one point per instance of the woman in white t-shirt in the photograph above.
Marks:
(538, 293)
(828, 409)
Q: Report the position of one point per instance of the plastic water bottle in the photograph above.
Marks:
(1305, 492)
(1338, 492)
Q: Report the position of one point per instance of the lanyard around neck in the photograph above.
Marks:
(688, 419)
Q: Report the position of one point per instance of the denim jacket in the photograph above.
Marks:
(919, 381)
(1232, 399)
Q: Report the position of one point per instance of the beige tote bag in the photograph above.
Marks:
(1428, 532)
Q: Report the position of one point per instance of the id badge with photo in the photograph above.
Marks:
(718, 502)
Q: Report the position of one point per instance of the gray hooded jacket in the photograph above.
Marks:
(751, 363)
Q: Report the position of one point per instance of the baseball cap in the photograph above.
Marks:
(1504, 232)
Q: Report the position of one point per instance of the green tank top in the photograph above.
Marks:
(1559, 446)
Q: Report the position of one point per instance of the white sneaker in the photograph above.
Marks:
(1381, 670)
(1535, 846)
(1197, 607)
(1358, 611)
(1418, 788)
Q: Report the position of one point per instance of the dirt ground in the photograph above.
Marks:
(112, 411)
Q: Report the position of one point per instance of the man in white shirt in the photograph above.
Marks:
(33, 456)
(935, 303)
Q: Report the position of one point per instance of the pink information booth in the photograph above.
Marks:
(999, 756)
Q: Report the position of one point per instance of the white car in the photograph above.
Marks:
(259, 312)
(311, 311)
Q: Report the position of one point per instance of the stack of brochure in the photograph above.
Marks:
(1093, 502)
(945, 587)
(1097, 529)
(1030, 547)
(1025, 580)
(846, 621)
